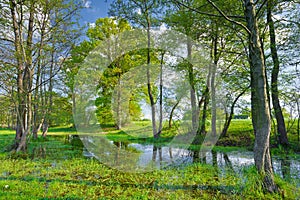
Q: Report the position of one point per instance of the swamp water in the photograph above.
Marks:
(147, 157)
(141, 156)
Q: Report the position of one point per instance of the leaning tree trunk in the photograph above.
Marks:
(259, 101)
(172, 113)
(228, 120)
(281, 129)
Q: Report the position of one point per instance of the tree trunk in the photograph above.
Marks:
(205, 100)
(202, 129)
(119, 112)
(23, 53)
(298, 120)
(20, 68)
(281, 129)
(47, 118)
(161, 94)
(36, 104)
(212, 85)
(36, 114)
(228, 120)
(171, 113)
(73, 106)
(259, 101)
(195, 116)
(152, 103)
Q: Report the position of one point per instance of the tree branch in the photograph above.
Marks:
(204, 13)
(261, 6)
(228, 18)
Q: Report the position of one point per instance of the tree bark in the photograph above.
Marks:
(195, 116)
(206, 95)
(281, 129)
(259, 101)
(212, 84)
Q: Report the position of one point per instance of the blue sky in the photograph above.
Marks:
(95, 9)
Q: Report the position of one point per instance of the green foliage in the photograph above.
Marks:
(61, 111)
(106, 27)
(139, 12)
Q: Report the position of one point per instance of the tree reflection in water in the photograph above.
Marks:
(157, 150)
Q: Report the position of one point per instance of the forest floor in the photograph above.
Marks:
(54, 168)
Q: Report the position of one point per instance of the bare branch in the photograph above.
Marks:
(261, 6)
(228, 18)
(204, 13)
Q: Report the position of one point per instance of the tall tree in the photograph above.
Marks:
(30, 25)
(281, 129)
(105, 30)
(259, 100)
(185, 21)
(144, 14)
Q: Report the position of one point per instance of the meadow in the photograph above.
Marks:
(55, 168)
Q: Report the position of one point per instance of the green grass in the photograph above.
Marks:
(238, 126)
(54, 168)
(240, 134)
(80, 178)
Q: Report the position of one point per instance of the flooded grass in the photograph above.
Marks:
(56, 168)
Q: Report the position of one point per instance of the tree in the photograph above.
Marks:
(107, 32)
(281, 129)
(184, 21)
(31, 32)
(71, 67)
(259, 100)
(142, 13)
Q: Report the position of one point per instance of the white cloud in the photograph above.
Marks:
(92, 25)
(87, 4)
(138, 11)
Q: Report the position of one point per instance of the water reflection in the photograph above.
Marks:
(165, 156)
(38, 152)
(157, 151)
(119, 145)
(227, 162)
(286, 168)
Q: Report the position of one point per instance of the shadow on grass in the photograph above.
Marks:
(225, 189)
